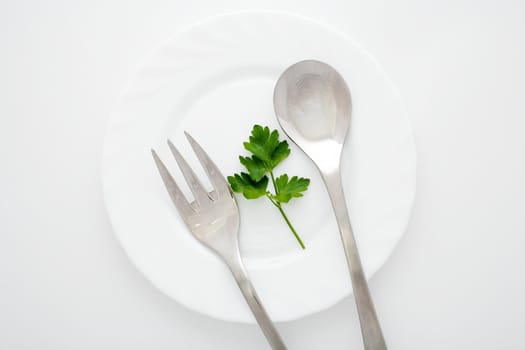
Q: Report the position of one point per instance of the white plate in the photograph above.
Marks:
(216, 80)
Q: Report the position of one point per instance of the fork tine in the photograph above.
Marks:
(173, 189)
(198, 190)
(217, 179)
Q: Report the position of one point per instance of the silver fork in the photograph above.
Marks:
(213, 219)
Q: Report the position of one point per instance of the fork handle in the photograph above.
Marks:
(370, 328)
(262, 318)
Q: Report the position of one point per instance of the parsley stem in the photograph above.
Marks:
(278, 205)
(274, 184)
(269, 196)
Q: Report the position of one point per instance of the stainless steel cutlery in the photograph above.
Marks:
(313, 106)
(213, 219)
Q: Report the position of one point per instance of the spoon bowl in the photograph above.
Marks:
(313, 106)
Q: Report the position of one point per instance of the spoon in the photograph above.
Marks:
(313, 106)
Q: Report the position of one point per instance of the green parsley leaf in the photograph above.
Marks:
(244, 184)
(290, 188)
(255, 167)
(265, 146)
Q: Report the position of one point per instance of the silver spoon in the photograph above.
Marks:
(313, 106)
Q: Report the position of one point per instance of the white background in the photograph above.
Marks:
(456, 280)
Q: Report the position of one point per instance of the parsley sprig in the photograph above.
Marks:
(266, 153)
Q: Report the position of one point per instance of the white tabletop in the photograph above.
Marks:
(456, 279)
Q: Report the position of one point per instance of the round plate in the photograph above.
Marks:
(216, 80)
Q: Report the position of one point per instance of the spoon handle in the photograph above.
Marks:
(370, 328)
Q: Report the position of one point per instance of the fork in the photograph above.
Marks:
(213, 219)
